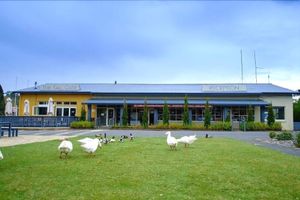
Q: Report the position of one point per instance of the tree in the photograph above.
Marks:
(296, 109)
(83, 114)
(250, 114)
(145, 115)
(227, 119)
(271, 118)
(2, 103)
(207, 115)
(166, 114)
(186, 118)
(125, 114)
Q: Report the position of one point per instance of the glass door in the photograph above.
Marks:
(101, 117)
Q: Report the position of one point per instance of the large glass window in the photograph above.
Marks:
(279, 113)
(239, 113)
(59, 112)
(176, 114)
(197, 114)
(42, 110)
(66, 112)
(72, 112)
(217, 113)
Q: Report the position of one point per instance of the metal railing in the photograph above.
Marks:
(38, 121)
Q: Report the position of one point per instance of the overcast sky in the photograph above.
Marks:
(148, 42)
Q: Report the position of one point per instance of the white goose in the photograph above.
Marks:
(91, 146)
(187, 140)
(1, 156)
(88, 140)
(65, 147)
(85, 140)
(171, 141)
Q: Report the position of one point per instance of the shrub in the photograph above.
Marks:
(145, 115)
(207, 115)
(285, 135)
(271, 117)
(276, 126)
(250, 112)
(82, 124)
(297, 140)
(220, 126)
(254, 126)
(83, 114)
(186, 118)
(125, 114)
(272, 134)
(166, 114)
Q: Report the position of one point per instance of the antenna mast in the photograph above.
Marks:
(242, 70)
(255, 66)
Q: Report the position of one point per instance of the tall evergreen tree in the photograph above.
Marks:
(83, 114)
(250, 114)
(125, 114)
(271, 117)
(2, 103)
(207, 115)
(186, 118)
(166, 114)
(145, 115)
(296, 110)
(227, 119)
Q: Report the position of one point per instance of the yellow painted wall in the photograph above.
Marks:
(34, 99)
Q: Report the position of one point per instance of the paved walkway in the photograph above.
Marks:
(256, 138)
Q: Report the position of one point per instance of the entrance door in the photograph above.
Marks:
(101, 116)
(151, 117)
(110, 116)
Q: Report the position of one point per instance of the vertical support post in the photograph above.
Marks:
(89, 112)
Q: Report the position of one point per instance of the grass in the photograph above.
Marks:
(146, 169)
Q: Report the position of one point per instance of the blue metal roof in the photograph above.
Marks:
(225, 102)
(100, 88)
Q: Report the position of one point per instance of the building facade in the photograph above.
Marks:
(103, 103)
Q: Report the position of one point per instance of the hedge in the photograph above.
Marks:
(82, 124)
(260, 126)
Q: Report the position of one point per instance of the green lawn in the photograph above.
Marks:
(147, 169)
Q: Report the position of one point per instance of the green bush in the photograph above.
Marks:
(272, 134)
(285, 135)
(220, 126)
(297, 140)
(254, 126)
(82, 124)
(260, 126)
(276, 126)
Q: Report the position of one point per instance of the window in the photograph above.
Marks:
(176, 114)
(239, 113)
(66, 112)
(197, 114)
(279, 113)
(72, 112)
(58, 111)
(73, 103)
(43, 103)
(59, 103)
(40, 110)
